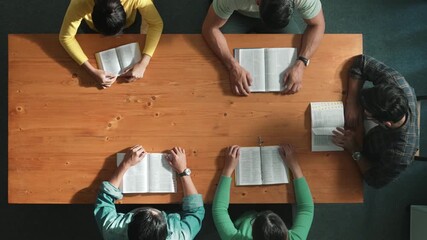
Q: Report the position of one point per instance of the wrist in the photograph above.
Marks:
(300, 65)
(232, 64)
(227, 172)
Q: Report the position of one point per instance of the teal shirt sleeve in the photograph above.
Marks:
(308, 8)
(222, 220)
(111, 224)
(187, 224)
(305, 210)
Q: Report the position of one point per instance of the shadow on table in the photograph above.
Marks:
(55, 51)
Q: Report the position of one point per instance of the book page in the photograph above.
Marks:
(135, 180)
(273, 168)
(161, 175)
(108, 61)
(253, 61)
(248, 170)
(277, 62)
(325, 117)
(128, 56)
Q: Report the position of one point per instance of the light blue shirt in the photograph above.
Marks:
(183, 225)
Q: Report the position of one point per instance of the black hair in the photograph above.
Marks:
(147, 223)
(269, 226)
(385, 102)
(109, 16)
(276, 13)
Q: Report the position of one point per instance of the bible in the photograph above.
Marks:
(267, 66)
(152, 174)
(260, 165)
(325, 117)
(118, 60)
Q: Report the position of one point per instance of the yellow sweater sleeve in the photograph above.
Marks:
(155, 25)
(67, 36)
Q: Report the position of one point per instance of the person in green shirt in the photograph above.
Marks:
(266, 224)
(147, 222)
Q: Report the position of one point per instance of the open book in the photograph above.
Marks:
(325, 117)
(267, 66)
(118, 60)
(260, 166)
(152, 174)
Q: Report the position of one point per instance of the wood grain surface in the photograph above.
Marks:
(64, 132)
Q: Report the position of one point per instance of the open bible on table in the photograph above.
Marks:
(261, 165)
(152, 174)
(267, 66)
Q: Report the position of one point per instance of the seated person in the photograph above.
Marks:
(389, 147)
(146, 222)
(263, 225)
(275, 14)
(110, 17)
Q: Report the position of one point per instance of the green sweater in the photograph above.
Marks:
(242, 228)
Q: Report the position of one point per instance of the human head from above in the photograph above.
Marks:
(385, 103)
(109, 17)
(269, 226)
(275, 14)
(147, 223)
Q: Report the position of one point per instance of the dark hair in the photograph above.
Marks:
(276, 13)
(109, 16)
(269, 226)
(385, 102)
(147, 223)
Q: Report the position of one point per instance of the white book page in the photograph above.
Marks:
(161, 175)
(277, 62)
(321, 143)
(108, 61)
(325, 117)
(253, 61)
(128, 56)
(327, 114)
(135, 180)
(248, 170)
(273, 168)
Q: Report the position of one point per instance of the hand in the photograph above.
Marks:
(293, 78)
(231, 160)
(345, 139)
(177, 159)
(353, 114)
(138, 70)
(240, 80)
(287, 153)
(134, 155)
(105, 79)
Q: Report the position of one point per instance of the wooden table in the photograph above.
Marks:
(64, 133)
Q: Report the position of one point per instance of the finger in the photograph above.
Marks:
(234, 150)
(242, 90)
(235, 90)
(337, 134)
(289, 88)
(295, 88)
(250, 79)
(341, 130)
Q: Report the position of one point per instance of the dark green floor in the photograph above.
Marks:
(395, 31)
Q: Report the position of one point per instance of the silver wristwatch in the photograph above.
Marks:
(356, 156)
(186, 172)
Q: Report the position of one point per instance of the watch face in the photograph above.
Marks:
(187, 172)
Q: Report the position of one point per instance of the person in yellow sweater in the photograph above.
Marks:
(110, 17)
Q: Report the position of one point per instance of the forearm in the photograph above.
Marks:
(218, 44)
(353, 88)
(311, 39)
(117, 176)
(364, 165)
(297, 172)
(188, 186)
